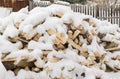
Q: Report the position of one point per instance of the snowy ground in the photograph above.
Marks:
(4, 12)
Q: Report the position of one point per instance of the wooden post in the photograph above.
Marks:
(7, 3)
(18, 4)
(1, 2)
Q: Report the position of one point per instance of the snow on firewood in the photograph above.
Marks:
(56, 43)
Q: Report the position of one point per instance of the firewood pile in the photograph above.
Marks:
(57, 43)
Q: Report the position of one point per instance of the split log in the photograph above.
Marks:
(113, 45)
(61, 37)
(70, 41)
(69, 22)
(90, 62)
(27, 68)
(56, 41)
(36, 37)
(113, 49)
(35, 69)
(46, 52)
(60, 46)
(70, 34)
(54, 59)
(97, 54)
(88, 21)
(76, 33)
(93, 32)
(117, 67)
(76, 41)
(112, 68)
(28, 36)
(17, 25)
(85, 54)
(45, 58)
(73, 28)
(81, 29)
(51, 31)
(37, 64)
(117, 57)
(24, 63)
(17, 38)
(16, 71)
(9, 60)
(9, 65)
(31, 59)
(58, 14)
(23, 40)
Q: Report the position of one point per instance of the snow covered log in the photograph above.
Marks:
(56, 43)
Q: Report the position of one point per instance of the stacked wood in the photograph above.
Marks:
(43, 43)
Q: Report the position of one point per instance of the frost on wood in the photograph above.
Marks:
(57, 43)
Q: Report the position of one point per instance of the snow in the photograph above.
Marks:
(59, 8)
(113, 75)
(70, 69)
(4, 12)
(65, 63)
(94, 47)
(38, 45)
(6, 46)
(2, 69)
(108, 27)
(10, 31)
(62, 3)
(32, 21)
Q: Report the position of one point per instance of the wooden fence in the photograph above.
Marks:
(112, 14)
(103, 13)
